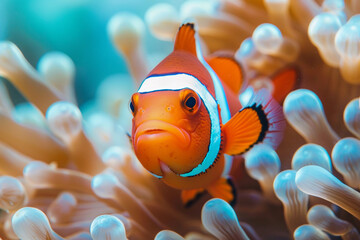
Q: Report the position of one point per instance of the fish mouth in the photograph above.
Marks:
(154, 128)
(154, 131)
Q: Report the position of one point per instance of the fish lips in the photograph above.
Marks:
(157, 128)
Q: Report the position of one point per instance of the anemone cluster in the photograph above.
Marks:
(70, 173)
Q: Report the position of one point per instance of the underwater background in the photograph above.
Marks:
(68, 171)
(78, 29)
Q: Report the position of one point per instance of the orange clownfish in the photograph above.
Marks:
(187, 121)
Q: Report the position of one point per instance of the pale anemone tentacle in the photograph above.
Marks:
(220, 219)
(65, 121)
(250, 231)
(116, 158)
(168, 235)
(295, 202)
(113, 94)
(32, 142)
(126, 31)
(107, 227)
(253, 59)
(346, 159)
(6, 104)
(79, 236)
(7, 227)
(85, 210)
(45, 176)
(12, 163)
(123, 161)
(15, 68)
(32, 224)
(309, 232)
(216, 28)
(347, 42)
(122, 164)
(336, 7)
(263, 164)
(352, 116)
(58, 70)
(304, 111)
(279, 14)
(324, 218)
(12, 193)
(269, 40)
(322, 31)
(197, 236)
(69, 229)
(100, 128)
(28, 115)
(311, 154)
(62, 208)
(245, 11)
(163, 21)
(317, 181)
(258, 83)
(108, 186)
(304, 11)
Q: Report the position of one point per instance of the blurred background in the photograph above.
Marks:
(77, 28)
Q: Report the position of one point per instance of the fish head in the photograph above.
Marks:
(170, 130)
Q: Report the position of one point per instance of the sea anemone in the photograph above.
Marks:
(68, 171)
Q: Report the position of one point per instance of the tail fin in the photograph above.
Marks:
(185, 39)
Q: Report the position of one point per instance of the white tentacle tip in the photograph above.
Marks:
(126, 31)
(12, 193)
(311, 154)
(352, 116)
(220, 219)
(107, 227)
(346, 159)
(168, 235)
(32, 224)
(309, 232)
(65, 120)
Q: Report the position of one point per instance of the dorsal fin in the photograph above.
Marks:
(185, 39)
(228, 69)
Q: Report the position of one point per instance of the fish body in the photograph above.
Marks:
(187, 121)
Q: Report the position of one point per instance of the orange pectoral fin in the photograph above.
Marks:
(228, 69)
(244, 129)
(261, 121)
(223, 189)
(284, 82)
(190, 196)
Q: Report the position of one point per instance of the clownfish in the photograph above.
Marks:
(188, 121)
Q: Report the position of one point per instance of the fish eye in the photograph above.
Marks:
(132, 108)
(191, 101)
(133, 102)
